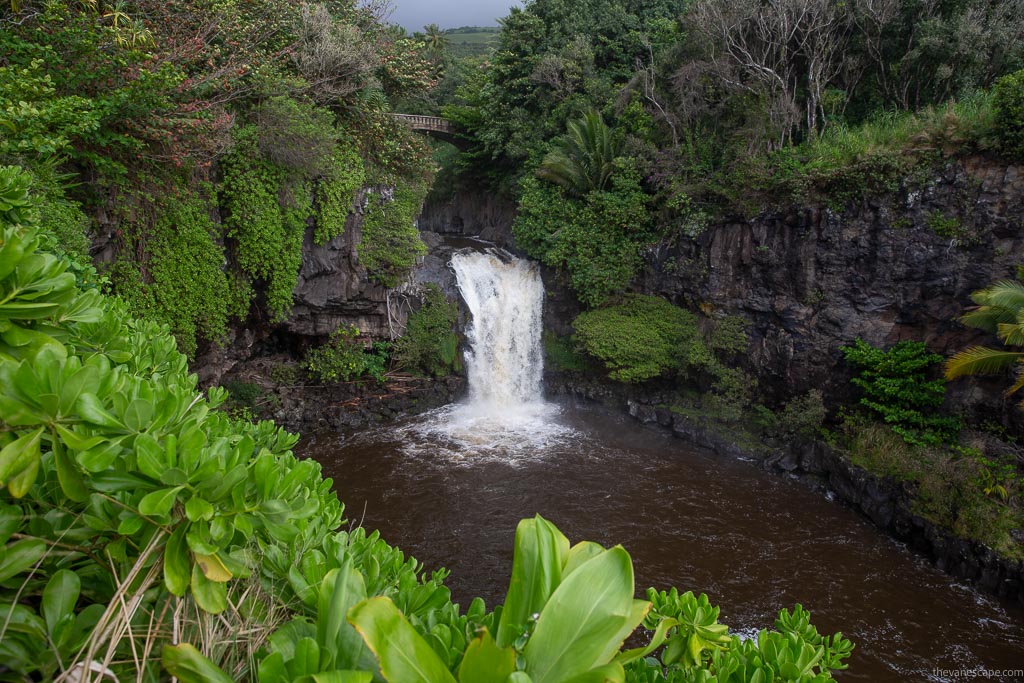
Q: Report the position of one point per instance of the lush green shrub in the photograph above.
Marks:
(1008, 113)
(430, 344)
(187, 284)
(390, 243)
(266, 217)
(641, 337)
(336, 191)
(897, 389)
(596, 238)
(345, 358)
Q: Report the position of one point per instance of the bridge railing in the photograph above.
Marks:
(417, 122)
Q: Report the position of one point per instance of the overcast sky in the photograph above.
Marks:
(415, 14)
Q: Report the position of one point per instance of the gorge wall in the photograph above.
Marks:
(811, 279)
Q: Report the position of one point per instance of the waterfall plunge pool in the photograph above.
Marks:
(449, 487)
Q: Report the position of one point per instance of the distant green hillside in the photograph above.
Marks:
(472, 40)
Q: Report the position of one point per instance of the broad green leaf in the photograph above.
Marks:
(85, 377)
(580, 553)
(340, 590)
(70, 478)
(130, 524)
(21, 483)
(19, 454)
(485, 662)
(78, 442)
(101, 457)
(582, 624)
(271, 669)
(159, 503)
(337, 677)
(213, 568)
(19, 556)
(403, 655)
(150, 456)
(211, 596)
(138, 415)
(59, 597)
(541, 552)
(196, 509)
(91, 409)
(189, 665)
(112, 481)
(609, 673)
(177, 561)
(306, 660)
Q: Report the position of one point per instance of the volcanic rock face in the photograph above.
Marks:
(334, 289)
(812, 279)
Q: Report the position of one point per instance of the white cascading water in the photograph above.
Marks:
(505, 414)
(505, 297)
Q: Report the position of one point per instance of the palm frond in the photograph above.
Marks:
(979, 360)
(1003, 294)
(988, 318)
(1011, 334)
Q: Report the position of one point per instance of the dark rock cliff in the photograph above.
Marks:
(811, 279)
(471, 214)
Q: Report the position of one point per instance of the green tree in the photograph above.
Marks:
(435, 38)
(583, 160)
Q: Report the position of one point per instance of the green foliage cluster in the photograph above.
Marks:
(336, 192)
(267, 232)
(121, 488)
(897, 389)
(123, 491)
(596, 238)
(390, 244)
(640, 337)
(551, 630)
(188, 286)
(345, 358)
(430, 344)
(1008, 113)
(140, 106)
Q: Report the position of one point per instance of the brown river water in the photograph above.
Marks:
(450, 486)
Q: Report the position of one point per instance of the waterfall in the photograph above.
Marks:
(505, 415)
(505, 297)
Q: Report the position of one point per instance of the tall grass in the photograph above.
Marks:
(943, 128)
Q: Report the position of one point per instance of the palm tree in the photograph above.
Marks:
(582, 160)
(434, 37)
(1000, 311)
